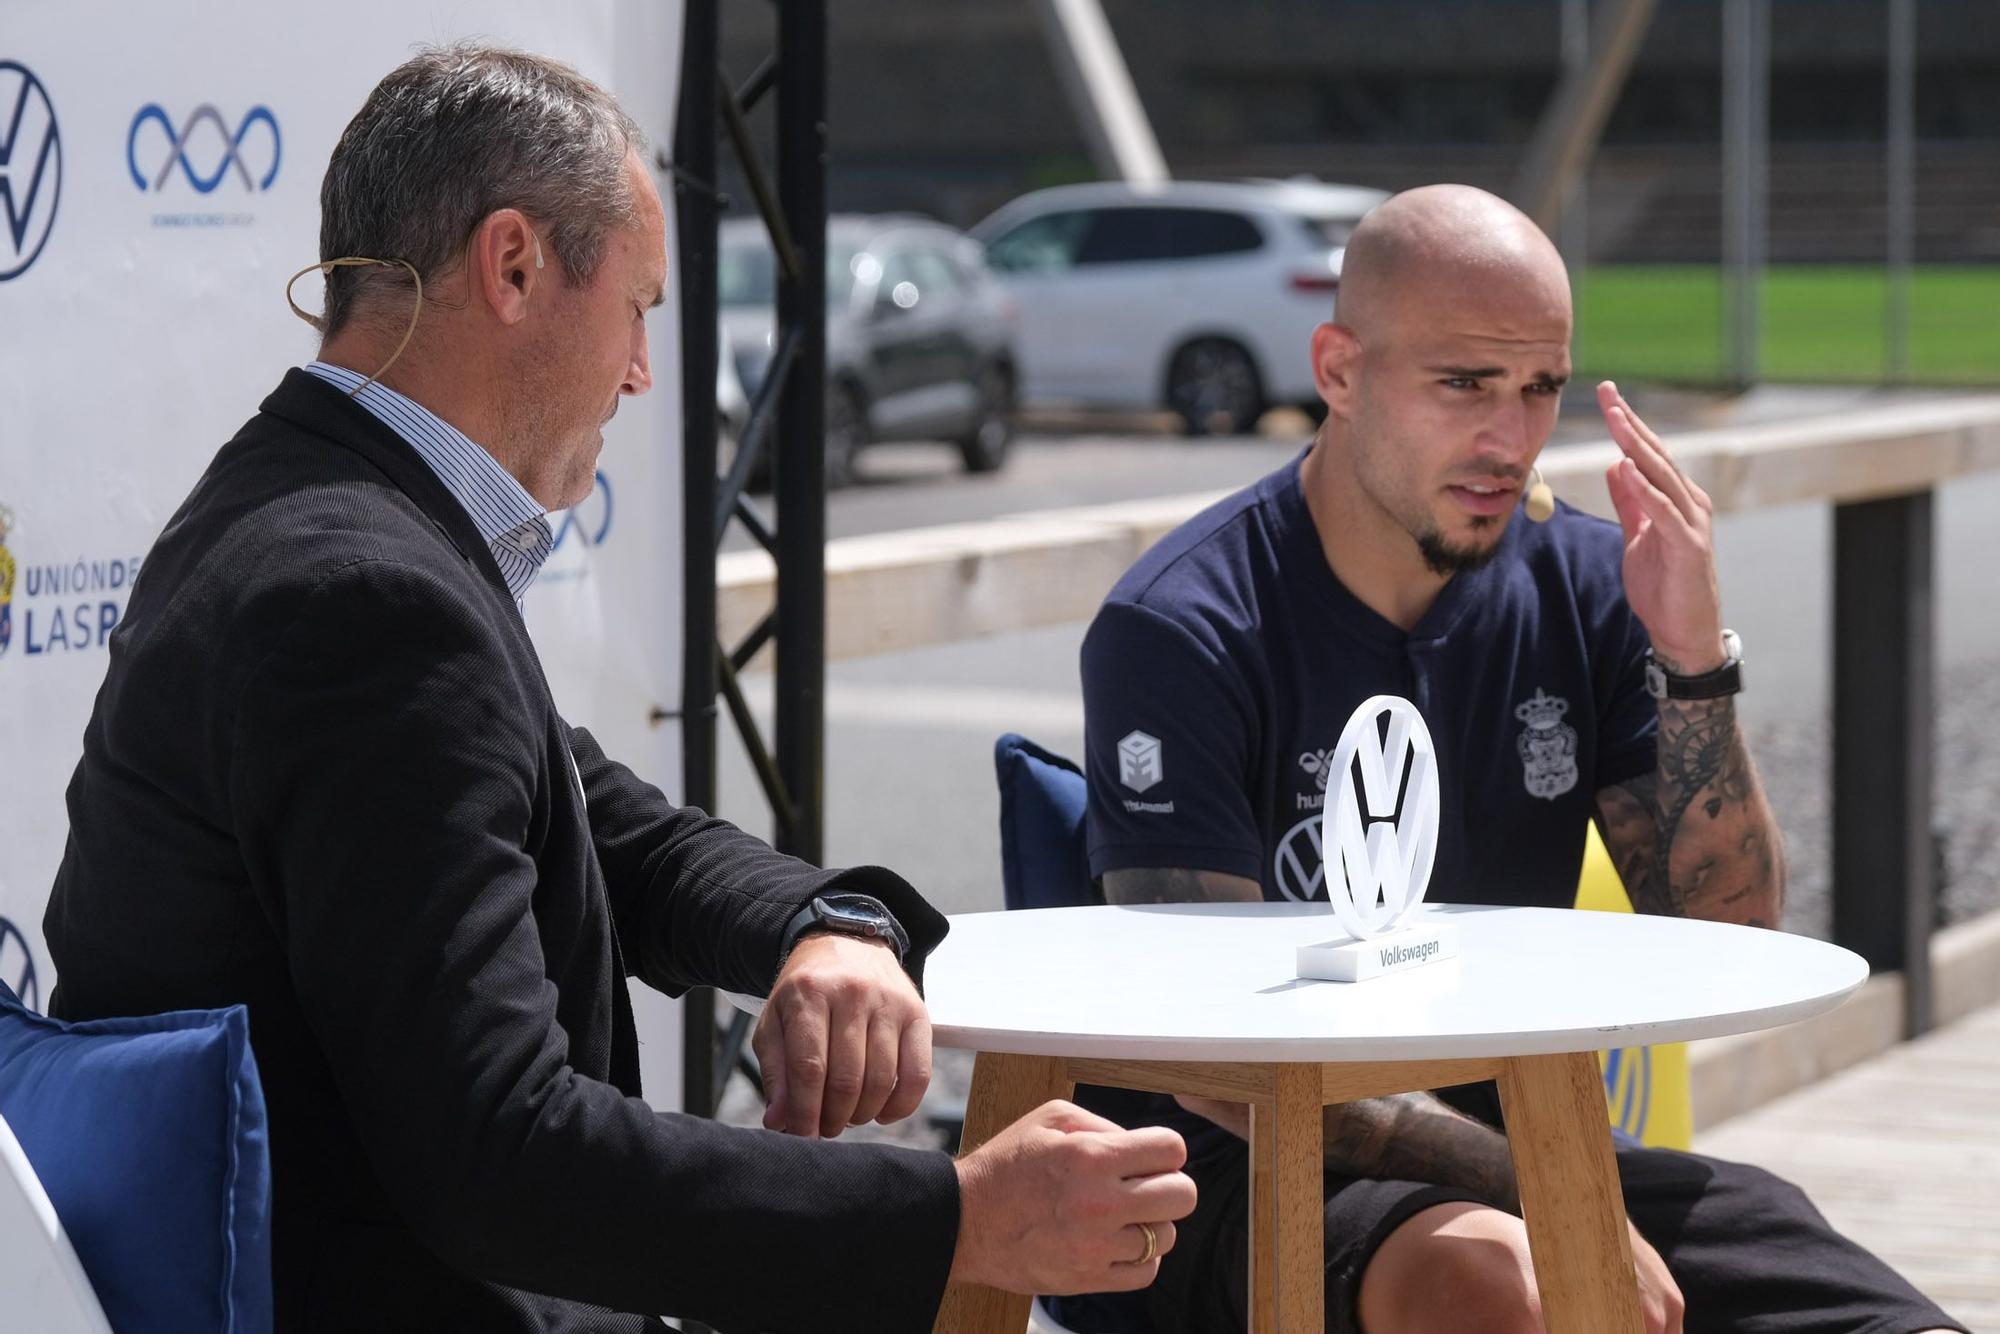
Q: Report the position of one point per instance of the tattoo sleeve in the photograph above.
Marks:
(1696, 837)
(1178, 885)
(1416, 1137)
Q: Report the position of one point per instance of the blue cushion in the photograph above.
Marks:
(1043, 863)
(149, 1136)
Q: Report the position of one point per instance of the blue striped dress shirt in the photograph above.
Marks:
(510, 520)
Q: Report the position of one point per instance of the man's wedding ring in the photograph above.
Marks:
(1152, 1245)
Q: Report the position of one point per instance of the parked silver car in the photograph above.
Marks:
(1194, 295)
(919, 337)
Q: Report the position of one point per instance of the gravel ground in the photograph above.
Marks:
(1796, 762)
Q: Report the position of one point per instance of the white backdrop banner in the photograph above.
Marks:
(160, 169)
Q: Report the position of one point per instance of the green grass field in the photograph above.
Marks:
(1820, 323)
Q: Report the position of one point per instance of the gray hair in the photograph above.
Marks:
(454, 134)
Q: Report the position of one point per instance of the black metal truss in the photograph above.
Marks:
(785, 426)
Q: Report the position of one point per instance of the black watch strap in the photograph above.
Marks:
(1724, 680)
(860, 915)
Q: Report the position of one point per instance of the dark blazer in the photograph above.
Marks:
(325, 778)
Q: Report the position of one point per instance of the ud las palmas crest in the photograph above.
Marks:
(1547, 745)
(1378, 866)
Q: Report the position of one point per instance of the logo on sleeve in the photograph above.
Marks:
(1139, 765)
(1547, 746)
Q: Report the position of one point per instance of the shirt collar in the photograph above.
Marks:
(510, 521)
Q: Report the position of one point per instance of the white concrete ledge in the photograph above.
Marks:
(1731, 1075)
(895, 591)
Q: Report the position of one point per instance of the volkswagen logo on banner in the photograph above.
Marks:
(249, 156)
(30, 168)
(1628, 1087)
(1378, 865)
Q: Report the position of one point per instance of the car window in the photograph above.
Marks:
(1328, 231)
(1039, 245)
(936, 275)
(1129, 235)
(747, 275)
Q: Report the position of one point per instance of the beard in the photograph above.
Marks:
(1447, 559)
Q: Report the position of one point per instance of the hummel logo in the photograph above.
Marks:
(1139, 763)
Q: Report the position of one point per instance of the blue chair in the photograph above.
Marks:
(1044, 864)
(149, 1138)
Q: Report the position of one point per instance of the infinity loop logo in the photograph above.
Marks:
(177, 145)
(588, 519)
(1385, 860)
(30, 168)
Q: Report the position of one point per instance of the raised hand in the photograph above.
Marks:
(1669, 551)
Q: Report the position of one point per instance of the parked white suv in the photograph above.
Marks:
(1198, 296)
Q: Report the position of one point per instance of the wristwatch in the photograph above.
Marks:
(848, 915)
(1724, 680)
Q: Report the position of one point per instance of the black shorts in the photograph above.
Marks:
(1751, 1254)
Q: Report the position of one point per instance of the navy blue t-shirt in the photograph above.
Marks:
(1221, 670)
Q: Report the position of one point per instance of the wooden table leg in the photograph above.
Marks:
(1004, 1089)
(1263, 1286)
(1561, 1141)
(1298, 1156)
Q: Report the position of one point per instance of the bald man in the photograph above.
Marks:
(1388, 559)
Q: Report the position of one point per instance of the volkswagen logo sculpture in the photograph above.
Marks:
(1380, 837)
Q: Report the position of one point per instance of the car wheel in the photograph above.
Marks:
(846, 433)
(985, 445)
(1212, 383)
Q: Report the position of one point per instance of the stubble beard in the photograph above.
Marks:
(1446, 558)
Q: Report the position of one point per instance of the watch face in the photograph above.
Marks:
(856, 914)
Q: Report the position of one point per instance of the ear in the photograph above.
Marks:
(1336, 357)
(505, 262)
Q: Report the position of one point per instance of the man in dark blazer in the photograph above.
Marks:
(325, 778)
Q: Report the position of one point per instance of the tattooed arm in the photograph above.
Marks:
(1176, 885)
(1408, 1137)
(1696, 838)
(1404, 1137)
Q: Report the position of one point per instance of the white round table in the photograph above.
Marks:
(1204, 999)
(1216, 982)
